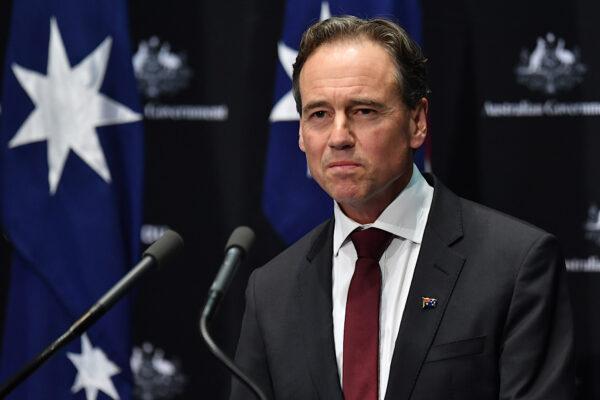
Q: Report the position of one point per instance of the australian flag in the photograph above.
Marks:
(71, 160)
(292, 200)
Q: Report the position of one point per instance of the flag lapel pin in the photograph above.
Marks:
(428, 303)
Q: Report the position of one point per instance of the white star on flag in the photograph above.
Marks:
(94, 370)
(285, 108)
(68, 108)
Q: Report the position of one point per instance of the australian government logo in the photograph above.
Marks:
(592, 234)
(155, 376)
(162, 73)
(549, 67)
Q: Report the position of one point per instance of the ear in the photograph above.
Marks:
(418, 117)
(301, 139)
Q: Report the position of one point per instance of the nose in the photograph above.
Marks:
(341, 136)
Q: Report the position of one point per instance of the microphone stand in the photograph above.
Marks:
(162, 251)
(237, 246)
(217, 352)
(80, 326)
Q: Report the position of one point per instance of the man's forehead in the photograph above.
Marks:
(359, 44)
(352, 66)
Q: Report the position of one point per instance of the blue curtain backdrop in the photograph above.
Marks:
(71, 163)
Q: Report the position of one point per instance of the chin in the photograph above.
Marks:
(347, 197)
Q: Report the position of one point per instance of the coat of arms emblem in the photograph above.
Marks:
(158, 69)
(550, 67)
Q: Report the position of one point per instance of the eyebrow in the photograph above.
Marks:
(368, 102)
(313, 105)
(353, 103)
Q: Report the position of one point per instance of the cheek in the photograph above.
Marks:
(388, 155)
(382, 146)
(313, 160)
(313, 147)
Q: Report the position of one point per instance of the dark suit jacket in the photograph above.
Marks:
(502, 327)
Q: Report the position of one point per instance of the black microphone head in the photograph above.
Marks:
(166, 248)
(241, 237)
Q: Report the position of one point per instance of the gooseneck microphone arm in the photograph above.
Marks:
(160, 253)
(217, 352)
(237, 246)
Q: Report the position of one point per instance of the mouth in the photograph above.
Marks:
(343, 165)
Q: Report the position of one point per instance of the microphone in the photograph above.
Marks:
(161, 252)
(237, 246)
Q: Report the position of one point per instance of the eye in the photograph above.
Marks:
(319, 114)
(365, 111)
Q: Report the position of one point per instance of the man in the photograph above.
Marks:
(441, 298)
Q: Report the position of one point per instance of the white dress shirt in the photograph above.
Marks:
(405, 218)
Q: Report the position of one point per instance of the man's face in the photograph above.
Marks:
(357, 133)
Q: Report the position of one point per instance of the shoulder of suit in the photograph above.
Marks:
(498, 225)
(290, 258)
(457, 220)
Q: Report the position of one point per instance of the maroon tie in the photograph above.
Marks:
(361, 328)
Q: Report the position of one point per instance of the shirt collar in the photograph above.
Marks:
(404, 217)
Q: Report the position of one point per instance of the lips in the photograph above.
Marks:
(343, 165)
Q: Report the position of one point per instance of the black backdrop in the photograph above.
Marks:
(530, 152)
(207, 130)
(203, 178)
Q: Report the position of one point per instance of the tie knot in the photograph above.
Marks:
(370, 243)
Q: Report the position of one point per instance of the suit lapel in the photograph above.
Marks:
(316, 323)
(437, 269)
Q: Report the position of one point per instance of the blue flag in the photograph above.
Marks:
(292, 201)
(71, 163)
